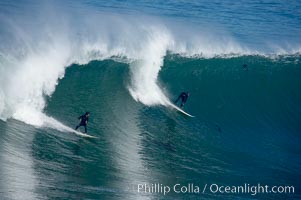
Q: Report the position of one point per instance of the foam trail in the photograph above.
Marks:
(145, 71)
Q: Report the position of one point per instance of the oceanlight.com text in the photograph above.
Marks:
(251, 189)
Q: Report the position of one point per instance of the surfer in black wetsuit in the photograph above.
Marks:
(83, 121)
(183, 96)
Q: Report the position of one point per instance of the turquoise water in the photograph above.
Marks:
(124, 62)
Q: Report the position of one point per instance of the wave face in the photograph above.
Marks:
(58, 60)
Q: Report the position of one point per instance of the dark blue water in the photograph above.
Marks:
(125, 61)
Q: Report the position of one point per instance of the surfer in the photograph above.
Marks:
(183, 96)
(83, 121)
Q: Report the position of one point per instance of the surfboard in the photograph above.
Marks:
(55, 124)
(83, 134)
(180, 110)
(71, 130)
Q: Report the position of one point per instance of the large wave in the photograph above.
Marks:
(36, 49)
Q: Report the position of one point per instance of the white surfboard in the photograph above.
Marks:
(180, 110)
(83, 134)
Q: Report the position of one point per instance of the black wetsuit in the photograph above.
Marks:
(183, 96)
(83, 122)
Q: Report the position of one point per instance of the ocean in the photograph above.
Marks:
(125, 62)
